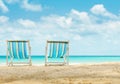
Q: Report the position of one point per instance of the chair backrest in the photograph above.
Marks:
(57, 49)
(18, 49)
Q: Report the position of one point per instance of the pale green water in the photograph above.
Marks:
(72, 59)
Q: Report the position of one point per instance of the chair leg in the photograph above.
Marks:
(11, 64)
(30, 64)
(45, 64)
(8, 64)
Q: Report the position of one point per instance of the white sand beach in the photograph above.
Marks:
(71, 74)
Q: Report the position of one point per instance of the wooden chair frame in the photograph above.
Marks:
(65, 57)
(11, 63)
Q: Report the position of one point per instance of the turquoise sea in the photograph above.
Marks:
(40, 60)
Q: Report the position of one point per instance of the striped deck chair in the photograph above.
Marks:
(18, 52)
(56, 51)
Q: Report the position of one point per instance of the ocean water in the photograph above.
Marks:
(40, 60)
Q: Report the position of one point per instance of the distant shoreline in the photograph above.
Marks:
(73, 64)
(73, 60)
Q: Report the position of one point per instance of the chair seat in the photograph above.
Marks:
(55, 57)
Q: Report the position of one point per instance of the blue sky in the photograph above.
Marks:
(91, 26)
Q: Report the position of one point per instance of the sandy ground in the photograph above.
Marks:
(72, 74)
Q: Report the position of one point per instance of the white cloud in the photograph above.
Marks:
(77, 37)
(3, 19)
(30, 6)
(99, 9)
(55, 26)
(26, 4)
(80, 28)
(3, 7)
(61, 21)
(80, 16)
(27, 23)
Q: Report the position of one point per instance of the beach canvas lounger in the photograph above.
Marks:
(18, 53)
(55, 51)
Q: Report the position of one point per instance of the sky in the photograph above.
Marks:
(91, 26)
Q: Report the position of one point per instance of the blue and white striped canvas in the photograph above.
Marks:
(17, 50)
(57, 50)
